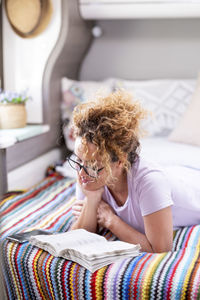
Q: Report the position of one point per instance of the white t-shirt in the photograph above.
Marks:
(152, 188)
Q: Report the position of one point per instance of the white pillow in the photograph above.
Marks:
(75, 92)
(166, 99)
(188, 129)
(166, 153)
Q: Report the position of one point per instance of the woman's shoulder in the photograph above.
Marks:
(144, 165)
(149, 179)
(143, 168)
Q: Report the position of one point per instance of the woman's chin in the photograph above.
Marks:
(90, 186)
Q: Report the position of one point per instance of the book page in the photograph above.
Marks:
(98, 249)
(75, 239)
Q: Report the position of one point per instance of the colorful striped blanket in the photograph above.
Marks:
(31, 273)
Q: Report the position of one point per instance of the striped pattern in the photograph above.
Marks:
(31, 273)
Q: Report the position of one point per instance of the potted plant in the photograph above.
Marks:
(12, 109)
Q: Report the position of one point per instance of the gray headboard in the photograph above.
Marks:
(144, 49)
(65, 59)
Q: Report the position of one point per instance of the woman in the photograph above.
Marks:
(116, 188)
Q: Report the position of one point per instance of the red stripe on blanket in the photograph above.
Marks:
(135, 292)
(173, 273)
(33, 212)
(188, 238)
(93, 281)
(58, 218)
(34, 193)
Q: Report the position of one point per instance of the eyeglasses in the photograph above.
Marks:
(92, 172)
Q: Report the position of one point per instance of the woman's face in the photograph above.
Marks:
(84, 179)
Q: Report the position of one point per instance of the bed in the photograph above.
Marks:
(31, 273)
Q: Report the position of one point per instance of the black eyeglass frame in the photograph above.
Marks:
(83, 167)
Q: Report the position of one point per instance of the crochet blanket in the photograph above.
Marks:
(31, 273)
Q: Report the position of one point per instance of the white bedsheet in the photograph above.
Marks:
(162, 151)
(158, 150)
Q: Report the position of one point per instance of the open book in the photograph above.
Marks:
(85, 248)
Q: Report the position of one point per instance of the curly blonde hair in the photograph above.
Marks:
(112, 124)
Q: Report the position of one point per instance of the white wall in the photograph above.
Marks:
(32, 172)
(144, 49)
(24, 60)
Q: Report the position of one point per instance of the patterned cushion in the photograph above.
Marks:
(188, 129)
(74, 93)
(166, 99)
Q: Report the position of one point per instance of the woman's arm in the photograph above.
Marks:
(159, 229)
(158, 235)
(88, 215)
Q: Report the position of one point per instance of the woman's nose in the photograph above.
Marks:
(82, 172)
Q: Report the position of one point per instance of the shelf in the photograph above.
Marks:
(119, 9)
(9, 137)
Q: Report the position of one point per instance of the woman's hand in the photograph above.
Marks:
(77, 208)
(104, 214)
(86, 212)
(91, 195)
